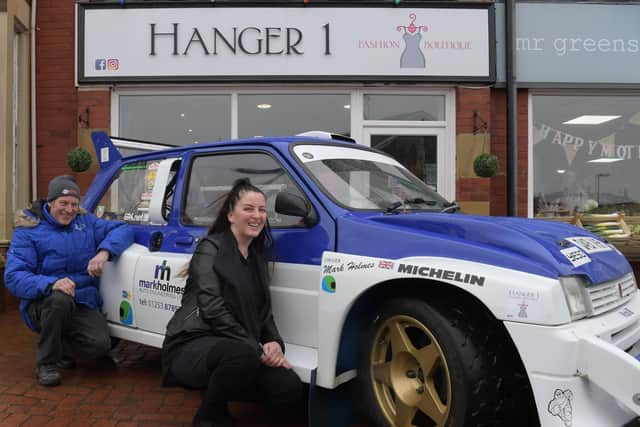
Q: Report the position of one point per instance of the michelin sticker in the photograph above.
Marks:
(560, 406)
(576, 256)
(439, 273)
(590, 245)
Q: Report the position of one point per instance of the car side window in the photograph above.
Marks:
(212, 176)
(128, 197)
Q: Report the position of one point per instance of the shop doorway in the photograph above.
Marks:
(420, 150)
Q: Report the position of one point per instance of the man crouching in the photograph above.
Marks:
(56, 255)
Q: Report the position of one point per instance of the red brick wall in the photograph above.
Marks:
(59, 103)
(56, 96)
(499, 148)
(468, 101)
(98, 103)
(473, 189)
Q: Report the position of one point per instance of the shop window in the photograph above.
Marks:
(418, 153)
(289, 114)
(175, 119)
(211, 179)
(586, 154)
(419, 108)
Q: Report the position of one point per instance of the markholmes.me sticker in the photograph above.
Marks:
(576, 256)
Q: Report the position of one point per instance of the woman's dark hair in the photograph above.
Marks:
(262, 243)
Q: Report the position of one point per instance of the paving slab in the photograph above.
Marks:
(122, 390)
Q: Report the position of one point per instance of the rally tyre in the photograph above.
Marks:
(423, 366)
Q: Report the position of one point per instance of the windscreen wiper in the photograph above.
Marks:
(415, 201)
(452, 207)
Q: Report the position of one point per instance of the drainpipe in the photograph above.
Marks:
(34, 164)
(512, 108)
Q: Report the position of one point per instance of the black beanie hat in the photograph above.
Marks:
(64, 185)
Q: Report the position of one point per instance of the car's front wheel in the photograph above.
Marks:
(423, 366)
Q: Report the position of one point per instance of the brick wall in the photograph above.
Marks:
(473, 112)
(56, 95)
(98, 104)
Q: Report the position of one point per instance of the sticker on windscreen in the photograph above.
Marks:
(576, 256)
(590, 245)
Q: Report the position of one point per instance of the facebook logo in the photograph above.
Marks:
(101, 64)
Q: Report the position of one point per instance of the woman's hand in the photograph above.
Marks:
(273, 357)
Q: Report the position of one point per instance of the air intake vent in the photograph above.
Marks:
(609, 295)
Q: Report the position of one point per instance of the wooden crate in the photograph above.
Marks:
(608, 226)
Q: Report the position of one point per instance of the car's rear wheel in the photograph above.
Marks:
(421, 366)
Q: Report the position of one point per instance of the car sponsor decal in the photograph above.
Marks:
(439, 273)
(356, 266)
(161, 284)
(385, 265)
(590, 245)
(560, 406)
(575, 256)
(522, 312)
(126, 312)
(526, 294)
(329, 284)
(626, 312)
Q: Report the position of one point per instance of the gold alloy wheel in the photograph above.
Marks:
(409, 373)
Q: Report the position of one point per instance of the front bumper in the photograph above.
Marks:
(584, 373)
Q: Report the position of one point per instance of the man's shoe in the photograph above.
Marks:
(66, 363)
(48, 375)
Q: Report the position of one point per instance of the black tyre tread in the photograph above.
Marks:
(487, 359)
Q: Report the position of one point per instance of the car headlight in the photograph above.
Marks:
(575, 292)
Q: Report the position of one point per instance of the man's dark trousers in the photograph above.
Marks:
(68, 329)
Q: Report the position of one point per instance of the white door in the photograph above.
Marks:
(421, 150)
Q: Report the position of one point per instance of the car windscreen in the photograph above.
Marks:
(367, 180)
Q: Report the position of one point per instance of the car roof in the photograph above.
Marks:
(281, 142)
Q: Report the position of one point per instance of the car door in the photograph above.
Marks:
(298, 246)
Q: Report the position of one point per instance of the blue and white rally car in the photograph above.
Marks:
(440, 318)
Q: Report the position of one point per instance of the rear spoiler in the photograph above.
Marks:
(106, 152)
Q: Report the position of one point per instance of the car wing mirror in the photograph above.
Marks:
(294, 205)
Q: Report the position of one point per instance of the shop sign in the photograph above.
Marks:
(573, 43)
(284, 43)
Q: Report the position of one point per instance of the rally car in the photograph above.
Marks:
(435, 317)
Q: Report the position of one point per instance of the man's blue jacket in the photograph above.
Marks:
(43, 251)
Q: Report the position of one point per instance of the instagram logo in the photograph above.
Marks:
(112, 64)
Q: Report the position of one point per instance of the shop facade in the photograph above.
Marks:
(583, 112)
(179, 74)
(412, 81)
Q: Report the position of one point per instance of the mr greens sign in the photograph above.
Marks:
(573, 43)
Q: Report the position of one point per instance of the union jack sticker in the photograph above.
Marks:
(387, 265)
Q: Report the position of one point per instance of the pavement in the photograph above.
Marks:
(122, 390)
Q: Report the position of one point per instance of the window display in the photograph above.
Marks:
(586, 154)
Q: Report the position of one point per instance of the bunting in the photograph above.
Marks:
(602, 148)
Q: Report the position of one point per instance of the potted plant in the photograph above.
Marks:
(486, 165)
(79, 159)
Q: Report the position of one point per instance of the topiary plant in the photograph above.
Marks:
(79, 159)
(486, 165)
